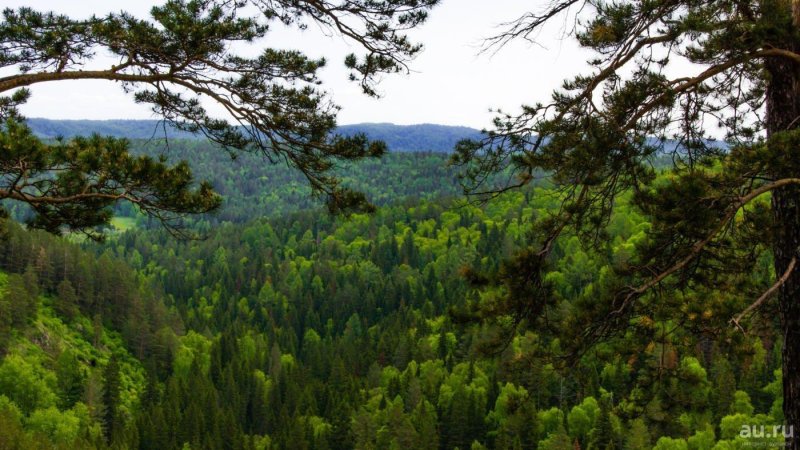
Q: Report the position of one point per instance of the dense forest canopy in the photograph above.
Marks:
(311, 331)
(248, 188)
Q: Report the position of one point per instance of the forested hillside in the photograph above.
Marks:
(401, 138)
(614, 265)
(305, 330)
(253, 187)
(80, 336)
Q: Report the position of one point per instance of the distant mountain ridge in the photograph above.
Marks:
(402, 138)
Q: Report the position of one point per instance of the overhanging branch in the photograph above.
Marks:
(767, 294)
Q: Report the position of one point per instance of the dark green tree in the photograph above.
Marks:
(725, 386)
(22, 304)
(112, 421)
(70, 379)
(174, 60)
(6, 322)
(66, 301)
(722, 207)
(340, 436)
(603, 436)
(31, 281)
(74, 184)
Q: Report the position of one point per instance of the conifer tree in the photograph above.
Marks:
(180, 56)
(66, 301)
(6, 322)
(723, 206)
(111, 396)
(22, 304)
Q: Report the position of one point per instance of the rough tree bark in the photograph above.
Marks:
(783, 113)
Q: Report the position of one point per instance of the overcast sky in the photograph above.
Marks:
(451, 82)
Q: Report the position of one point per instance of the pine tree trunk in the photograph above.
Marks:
(783, 113)
(787, 213)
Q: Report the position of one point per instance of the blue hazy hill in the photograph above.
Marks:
(403, 138)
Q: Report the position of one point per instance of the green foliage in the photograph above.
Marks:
(6, 317)
(111, 398)
(60, 427)
(252, 189)
(741, 404)
(192, 354)
(668, 443)
(558, 440)
(71, 378)
(638, 437)
(578, 423)
(311, 331)
(73, 184)
(723, 220)
(28, 386)
(702, 440)
(168, 60)
(21, 302)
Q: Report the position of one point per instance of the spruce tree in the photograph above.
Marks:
(112, 422)
(6, 322)
(66, 301)
(22, 304)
